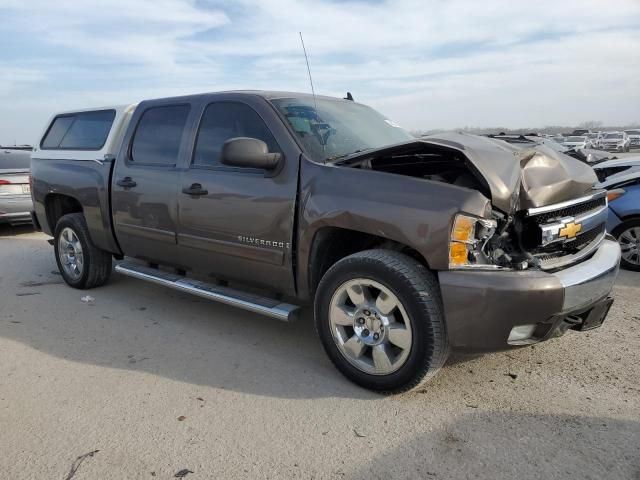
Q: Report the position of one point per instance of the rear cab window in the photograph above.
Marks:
(79, 131)
(158, 135)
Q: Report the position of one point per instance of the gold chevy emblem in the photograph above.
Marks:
(570, 230)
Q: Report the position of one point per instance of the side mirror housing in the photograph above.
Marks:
(249, 153)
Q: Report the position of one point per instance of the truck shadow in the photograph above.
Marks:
(495, 445)
(133, 325)
(7, 230)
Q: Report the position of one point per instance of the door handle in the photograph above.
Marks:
(195, 189)
(126, 182)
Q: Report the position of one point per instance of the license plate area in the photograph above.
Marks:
(26, 188)
(595, 317)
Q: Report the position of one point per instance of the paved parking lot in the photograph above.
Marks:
(159, 382)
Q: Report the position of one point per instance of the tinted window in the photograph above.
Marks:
(157, 138)
(222, 121)
(79, 131)
(14, 159)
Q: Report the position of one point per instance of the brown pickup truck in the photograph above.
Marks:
(271, 201)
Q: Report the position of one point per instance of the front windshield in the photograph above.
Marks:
(613, 135)
(592, 135)
(338, 128)
(632, 132)
(575, 139)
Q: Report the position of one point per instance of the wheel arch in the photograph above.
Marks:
(57, 205)
(331, 244)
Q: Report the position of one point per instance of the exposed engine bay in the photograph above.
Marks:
(544, 214)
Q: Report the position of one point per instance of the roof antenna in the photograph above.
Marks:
(313, 92)
(349, 96)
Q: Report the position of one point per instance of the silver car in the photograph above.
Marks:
(15, 191)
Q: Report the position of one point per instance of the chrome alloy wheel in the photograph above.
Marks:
(630, 245)
(370, 326)
(70, 253)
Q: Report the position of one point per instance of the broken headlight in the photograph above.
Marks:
(469, 242)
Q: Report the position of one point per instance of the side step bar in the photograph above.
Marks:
(254, 303)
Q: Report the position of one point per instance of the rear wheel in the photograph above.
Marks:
(628, 235)
(81, 264)
(379, 316)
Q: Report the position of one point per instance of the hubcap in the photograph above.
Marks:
(630, 245)
(370, 326)
(70, 253)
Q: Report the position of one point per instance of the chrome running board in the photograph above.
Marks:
(253, 303)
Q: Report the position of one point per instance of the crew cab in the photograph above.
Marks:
(272, 201)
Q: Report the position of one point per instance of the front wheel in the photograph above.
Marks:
(81, 264)
(379, 316)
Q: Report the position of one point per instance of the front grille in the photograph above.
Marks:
(571, 211)
(559, 251)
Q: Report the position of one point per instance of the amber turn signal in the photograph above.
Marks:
(463, 229)
(616, 193)
(458, 254)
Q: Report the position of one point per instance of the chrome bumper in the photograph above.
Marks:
(591, 280)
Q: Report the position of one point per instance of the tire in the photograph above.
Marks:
(628, 236)
(81, 264)
(414, 344)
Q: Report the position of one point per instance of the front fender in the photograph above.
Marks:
(411, 211)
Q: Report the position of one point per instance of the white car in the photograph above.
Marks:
(634, 137)
(615, 141)
(577, 142)
(593, 139)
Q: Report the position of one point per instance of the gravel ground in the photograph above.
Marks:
(159, 382)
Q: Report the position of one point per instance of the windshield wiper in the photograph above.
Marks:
(344, 155)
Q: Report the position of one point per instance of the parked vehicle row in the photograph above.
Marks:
(621, 141)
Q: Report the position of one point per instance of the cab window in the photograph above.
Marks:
(222, 121)
(158, 135)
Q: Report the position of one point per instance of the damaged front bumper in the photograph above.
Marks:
(488, 311)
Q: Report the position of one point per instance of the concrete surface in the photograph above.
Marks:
(159, 382)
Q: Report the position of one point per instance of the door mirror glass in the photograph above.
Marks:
(249, 152)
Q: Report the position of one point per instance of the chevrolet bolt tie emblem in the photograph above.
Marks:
(570, 230)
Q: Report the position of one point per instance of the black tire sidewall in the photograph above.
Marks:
(422, 347)
(71, 221)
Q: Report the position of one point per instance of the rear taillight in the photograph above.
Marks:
(4, 182)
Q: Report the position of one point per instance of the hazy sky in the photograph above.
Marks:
(426, 64)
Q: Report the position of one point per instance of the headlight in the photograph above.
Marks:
(469, 237)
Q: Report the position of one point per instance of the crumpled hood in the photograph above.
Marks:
(521, 178)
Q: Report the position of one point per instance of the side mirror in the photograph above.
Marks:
(248, 152)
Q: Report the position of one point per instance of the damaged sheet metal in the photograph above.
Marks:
(521, 178)
(551, 177)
